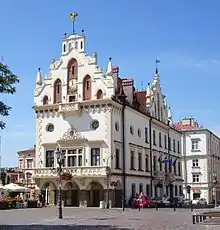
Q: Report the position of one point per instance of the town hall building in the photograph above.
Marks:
(116, 140)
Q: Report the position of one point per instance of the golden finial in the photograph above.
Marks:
(73, 15)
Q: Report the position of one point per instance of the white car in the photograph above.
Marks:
(201, 201)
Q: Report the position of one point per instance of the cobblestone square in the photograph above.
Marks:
(93, 218)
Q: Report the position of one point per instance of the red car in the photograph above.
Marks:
(145, 203)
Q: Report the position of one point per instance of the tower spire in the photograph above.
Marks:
(73, 17)
(39, 78)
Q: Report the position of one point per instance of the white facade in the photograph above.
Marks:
(201, 161)
(101, 123)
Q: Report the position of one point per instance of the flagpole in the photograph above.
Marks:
(73, 25)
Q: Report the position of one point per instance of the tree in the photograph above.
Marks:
(7, 81)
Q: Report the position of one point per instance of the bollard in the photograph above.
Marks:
(156, 206)
(174, 207)
(194, 219)
(191, 207)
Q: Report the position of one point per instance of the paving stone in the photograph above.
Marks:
(94, 218)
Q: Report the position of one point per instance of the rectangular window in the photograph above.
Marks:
(29, 163)
(29, 178)
(174, 145)
(50, 158)
(117, 159)
(146, 163)
(155, 163)
(139, 161)
(147, 189)
(141, 188)
(195, 145)
(160, 141)
(195, 163)
(178, 146)
(179, 168)
(165, 141)
(180, 190)
(154, 137)
(64, 157)
(176, 190)
(132, 160)
(95, 156)
(133, 189)
(169, 143)
(195, 178)
(146, 135)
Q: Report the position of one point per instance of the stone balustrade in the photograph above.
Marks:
(72, 108)
(93, 171)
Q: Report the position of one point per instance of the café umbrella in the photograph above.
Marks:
(15, 188)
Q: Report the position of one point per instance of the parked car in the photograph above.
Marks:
(199, 201)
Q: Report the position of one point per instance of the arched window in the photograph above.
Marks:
(99, 94)
(57, 91)
(45, 100)
(72, 72)
(64, 48)
(70, 46)
(87, 89)
(76, 45)
(81, 45)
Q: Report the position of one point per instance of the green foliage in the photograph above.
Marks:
(7, 81)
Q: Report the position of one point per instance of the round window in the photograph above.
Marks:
(50, 128)
(116, 126)
(95, 124)
(131, 130)
(139, 133)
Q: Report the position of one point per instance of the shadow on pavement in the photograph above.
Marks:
(58, 227)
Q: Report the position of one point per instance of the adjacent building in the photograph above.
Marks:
(104, 127)
(200, 161)
(26, 161)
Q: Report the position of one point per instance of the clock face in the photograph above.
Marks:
(95, 124)
(72, 83)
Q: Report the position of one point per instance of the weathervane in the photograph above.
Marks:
(157, 62)
(73, 17)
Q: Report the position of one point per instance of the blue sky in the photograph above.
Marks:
(183, 34)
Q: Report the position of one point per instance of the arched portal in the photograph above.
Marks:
(49, 193)
(71, 194)
(95, 194)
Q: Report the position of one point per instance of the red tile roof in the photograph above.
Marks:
(184, 127)
(32, 150)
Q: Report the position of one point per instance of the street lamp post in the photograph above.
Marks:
(108, 179)
(59, 169)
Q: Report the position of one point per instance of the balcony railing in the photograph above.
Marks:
(94, 171)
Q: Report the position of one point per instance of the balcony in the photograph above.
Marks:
(71, 108)
(94, 171)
